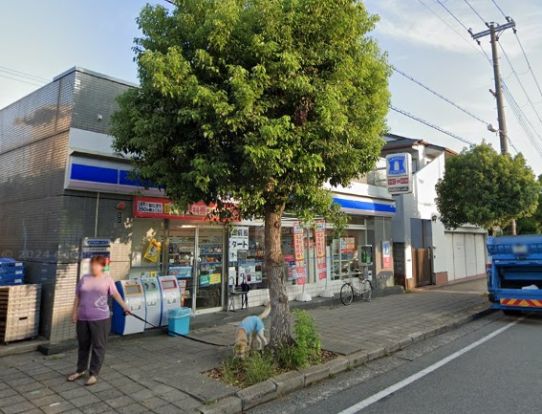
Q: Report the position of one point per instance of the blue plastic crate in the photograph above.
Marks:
(7, 278)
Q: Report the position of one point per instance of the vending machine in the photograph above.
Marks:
(132, 293)
(171, 296)
(153, 301)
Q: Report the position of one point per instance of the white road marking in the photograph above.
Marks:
(420, 374)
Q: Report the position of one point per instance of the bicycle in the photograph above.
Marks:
(349, 291)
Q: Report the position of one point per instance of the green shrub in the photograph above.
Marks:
(306, 350)
(258, 367)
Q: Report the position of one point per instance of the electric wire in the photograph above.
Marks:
(475, 11)
(437, 94)
(431, 125)
(499, 9)
(452, 14)
(522, 119)
(18, 73)
(528, 63)
(518, 79)
(446, 22)
(29, 82)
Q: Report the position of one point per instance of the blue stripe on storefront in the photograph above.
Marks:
(94, 174)
(115, 176)
(107, 175)
(365, 205)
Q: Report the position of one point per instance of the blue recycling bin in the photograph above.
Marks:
(179, 321)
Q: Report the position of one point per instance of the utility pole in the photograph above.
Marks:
(493, 31)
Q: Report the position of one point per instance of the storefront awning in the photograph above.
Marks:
(365, 206)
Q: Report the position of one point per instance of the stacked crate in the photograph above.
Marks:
(11, 272)
(19, 312)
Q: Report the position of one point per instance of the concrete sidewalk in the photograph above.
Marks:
(163, 374)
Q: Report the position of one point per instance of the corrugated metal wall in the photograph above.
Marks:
(40, 223)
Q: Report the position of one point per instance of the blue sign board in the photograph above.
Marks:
(397, 165)
(399, 173)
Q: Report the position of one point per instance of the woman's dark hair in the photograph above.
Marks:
(101, 260)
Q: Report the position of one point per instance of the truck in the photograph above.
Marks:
(515, 273)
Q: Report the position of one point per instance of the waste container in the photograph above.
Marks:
(179, 321)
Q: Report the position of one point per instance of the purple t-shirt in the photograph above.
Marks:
(93, 293)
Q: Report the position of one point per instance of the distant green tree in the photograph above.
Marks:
(532, 224)
(257, 101)
(483, 187)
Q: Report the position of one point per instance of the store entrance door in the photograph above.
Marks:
(195, 256)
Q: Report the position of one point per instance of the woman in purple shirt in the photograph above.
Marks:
(91, 314)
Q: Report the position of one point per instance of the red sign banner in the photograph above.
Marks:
(320, 239)
(152, 207)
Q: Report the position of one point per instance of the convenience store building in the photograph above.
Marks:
(64, 194)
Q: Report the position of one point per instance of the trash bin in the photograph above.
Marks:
(179, 321)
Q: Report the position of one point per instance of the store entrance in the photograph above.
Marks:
(196, 257)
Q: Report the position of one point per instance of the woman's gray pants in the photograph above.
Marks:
(92, 337)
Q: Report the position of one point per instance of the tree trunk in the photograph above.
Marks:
(277, 277)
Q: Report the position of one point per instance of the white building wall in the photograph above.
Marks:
(460, 253)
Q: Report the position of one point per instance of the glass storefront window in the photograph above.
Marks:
(350, 253)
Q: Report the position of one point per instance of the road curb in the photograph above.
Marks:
(294, 380)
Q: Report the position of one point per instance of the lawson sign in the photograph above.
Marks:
(399, 173)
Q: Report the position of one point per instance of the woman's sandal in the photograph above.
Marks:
(91, 380)
(75, 376)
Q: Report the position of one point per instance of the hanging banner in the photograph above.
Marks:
(320, 242)
(299, 254)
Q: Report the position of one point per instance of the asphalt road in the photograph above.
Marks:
(493, 365)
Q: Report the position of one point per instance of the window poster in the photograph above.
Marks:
(386, 255)
(238, 241)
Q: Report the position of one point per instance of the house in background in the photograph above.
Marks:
(424, 251)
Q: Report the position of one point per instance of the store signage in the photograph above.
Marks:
(399, 173)
(386, 255)
(320, 242)
(238, 241)
(152, 207)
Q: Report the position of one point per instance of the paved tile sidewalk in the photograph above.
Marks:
(162, 374)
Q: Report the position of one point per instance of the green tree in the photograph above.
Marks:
(257, 101)
(483, 187)
(532, 224)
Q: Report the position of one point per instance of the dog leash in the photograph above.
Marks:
(181, 335)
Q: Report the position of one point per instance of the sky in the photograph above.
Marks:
(41, 39)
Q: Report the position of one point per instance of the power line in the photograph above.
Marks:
(518, 112)
(499, 9)
(18, 73)
(453, 15)
(518, 79)
(528, 64)
(474, 11)
(446, 22)
(523, 121)
(431, 125)
(437, 94)
(6, 76)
